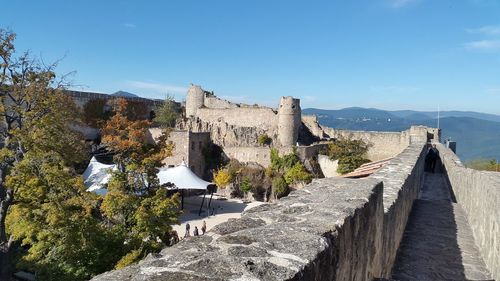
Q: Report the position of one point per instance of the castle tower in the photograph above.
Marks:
(195, 99)
(289, 118)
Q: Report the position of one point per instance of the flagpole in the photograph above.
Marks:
(438, 116)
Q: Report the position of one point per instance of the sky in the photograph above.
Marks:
(387, 54)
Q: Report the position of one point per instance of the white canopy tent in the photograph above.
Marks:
(97, 175)
(181, 177)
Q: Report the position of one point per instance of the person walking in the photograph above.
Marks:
(429, 160)
(195, 231)
(188, 227)
(435, 153)
(203, 227)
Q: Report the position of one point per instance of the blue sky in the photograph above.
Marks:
(389, 54)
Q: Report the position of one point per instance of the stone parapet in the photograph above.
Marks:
(323, 232)
(478, 192)
(333, 229)
(402, 177)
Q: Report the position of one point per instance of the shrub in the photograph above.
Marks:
(348, 164)
(129, 259)
(297, 173)
(279, 187)
(347, 147)
(246, 185)
(222, 178)
(350, 153)
(283, 163)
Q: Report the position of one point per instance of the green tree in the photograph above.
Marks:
(54, 217)
(279, 187)
(51, 215)
(167, 113)
(350, 154)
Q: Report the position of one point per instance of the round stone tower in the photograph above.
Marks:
(195, 99)
(289, 119)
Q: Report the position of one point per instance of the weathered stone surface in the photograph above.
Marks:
(438, 243)
(402, 178)
(478, 193)
(323, 231)
(333, 229)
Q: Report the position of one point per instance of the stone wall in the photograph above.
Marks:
(311, 122)
(333, 229)
(328, 166)
(81, 98)
(197, 142)
(260, 117)
(478, 192)
(215, 102)
(403, 178)
(311, 151)
(224, 134)
(384, 144)
(188, 147)
(259, 155)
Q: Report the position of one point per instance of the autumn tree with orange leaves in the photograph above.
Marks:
(135, 205)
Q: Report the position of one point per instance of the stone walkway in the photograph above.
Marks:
(438, 242)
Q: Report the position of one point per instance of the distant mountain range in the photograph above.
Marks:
(477, 134)
(124, 94)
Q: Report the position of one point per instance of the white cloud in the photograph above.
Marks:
(394, 89)
(158, 88)
(493, 91)
(486, 30)
(309, 98)
(402, 3)
(484, 3)
(129, 25)
(483, 45)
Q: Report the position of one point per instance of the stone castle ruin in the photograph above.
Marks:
(396, 223)
(400, 223)
(237, 127)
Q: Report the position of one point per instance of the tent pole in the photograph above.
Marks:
(182, 199)
(210, 201)
(202, 201)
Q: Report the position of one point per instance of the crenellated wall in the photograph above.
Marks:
(478, 192)
(333, 229)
